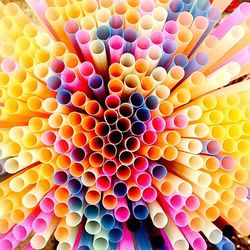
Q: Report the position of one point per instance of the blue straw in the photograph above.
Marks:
(116, 233)
(225, 244)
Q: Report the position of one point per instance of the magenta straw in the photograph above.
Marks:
(8, 65)
(140, 163)
(71, 27)
(179, 121)
(157, 38)
(121, 210)
(176, 201)
(192, 203)
(83, 39)
(141, 48)
(70, 81)
(170, 29)
(48, 202)
(21, 231)
(167, 244)
(42, 221)
(116, 48)
(9, 242)
(194, 238)
(127, 241)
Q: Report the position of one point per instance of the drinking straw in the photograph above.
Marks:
(107, 219)
(159, 15)
(175, 236)
(142, 244)
(116, 47)
(212, 233)
(149, 194)
(153, 56)
(170, 29)
(98, 52)
(185, 19)
(101, 240)
(39, 240)
(127, 241)
(121, 211)
(129, 35)
(116, 71)
(174, 9)
(178, 121)
(157, 38)
(235, 18)
(40, 8)
(116, 23)
(109, 200)
(131, 83)
(127, 60)
(194, 238)
(145, 25)
(183, 39)
(132, 18)
(103, 16)
(142, 47)
(225, 243)
(192, 146)
(158, 216)
(116, 233)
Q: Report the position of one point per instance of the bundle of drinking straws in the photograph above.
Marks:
(119, 125)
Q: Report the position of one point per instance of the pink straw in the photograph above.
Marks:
(179, 121)
(176, 201)
(42, 221)
(83, 39)
(8, 65)
(48, 202)
(121, 210)
(149, 194)
(235, 18)
(127, 240)
(194, 238)
(116, 47)
(21, 231)
(141, 48)
(192, 203)
(170, 29)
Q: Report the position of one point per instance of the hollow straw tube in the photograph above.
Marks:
(103, 16)
(199, 61)
(121, 211)
(174, 9)
(200, 8)
(159, 15)
(71, 27)
(145, 25)
(142, 46)
(116, 23)
(127, 60)
(129, 35)
(116, 48)
(168, 49)
(99, 56)
(158, 216)
(96, 84)
(235, 18)
(194, 238)
(132, 18)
